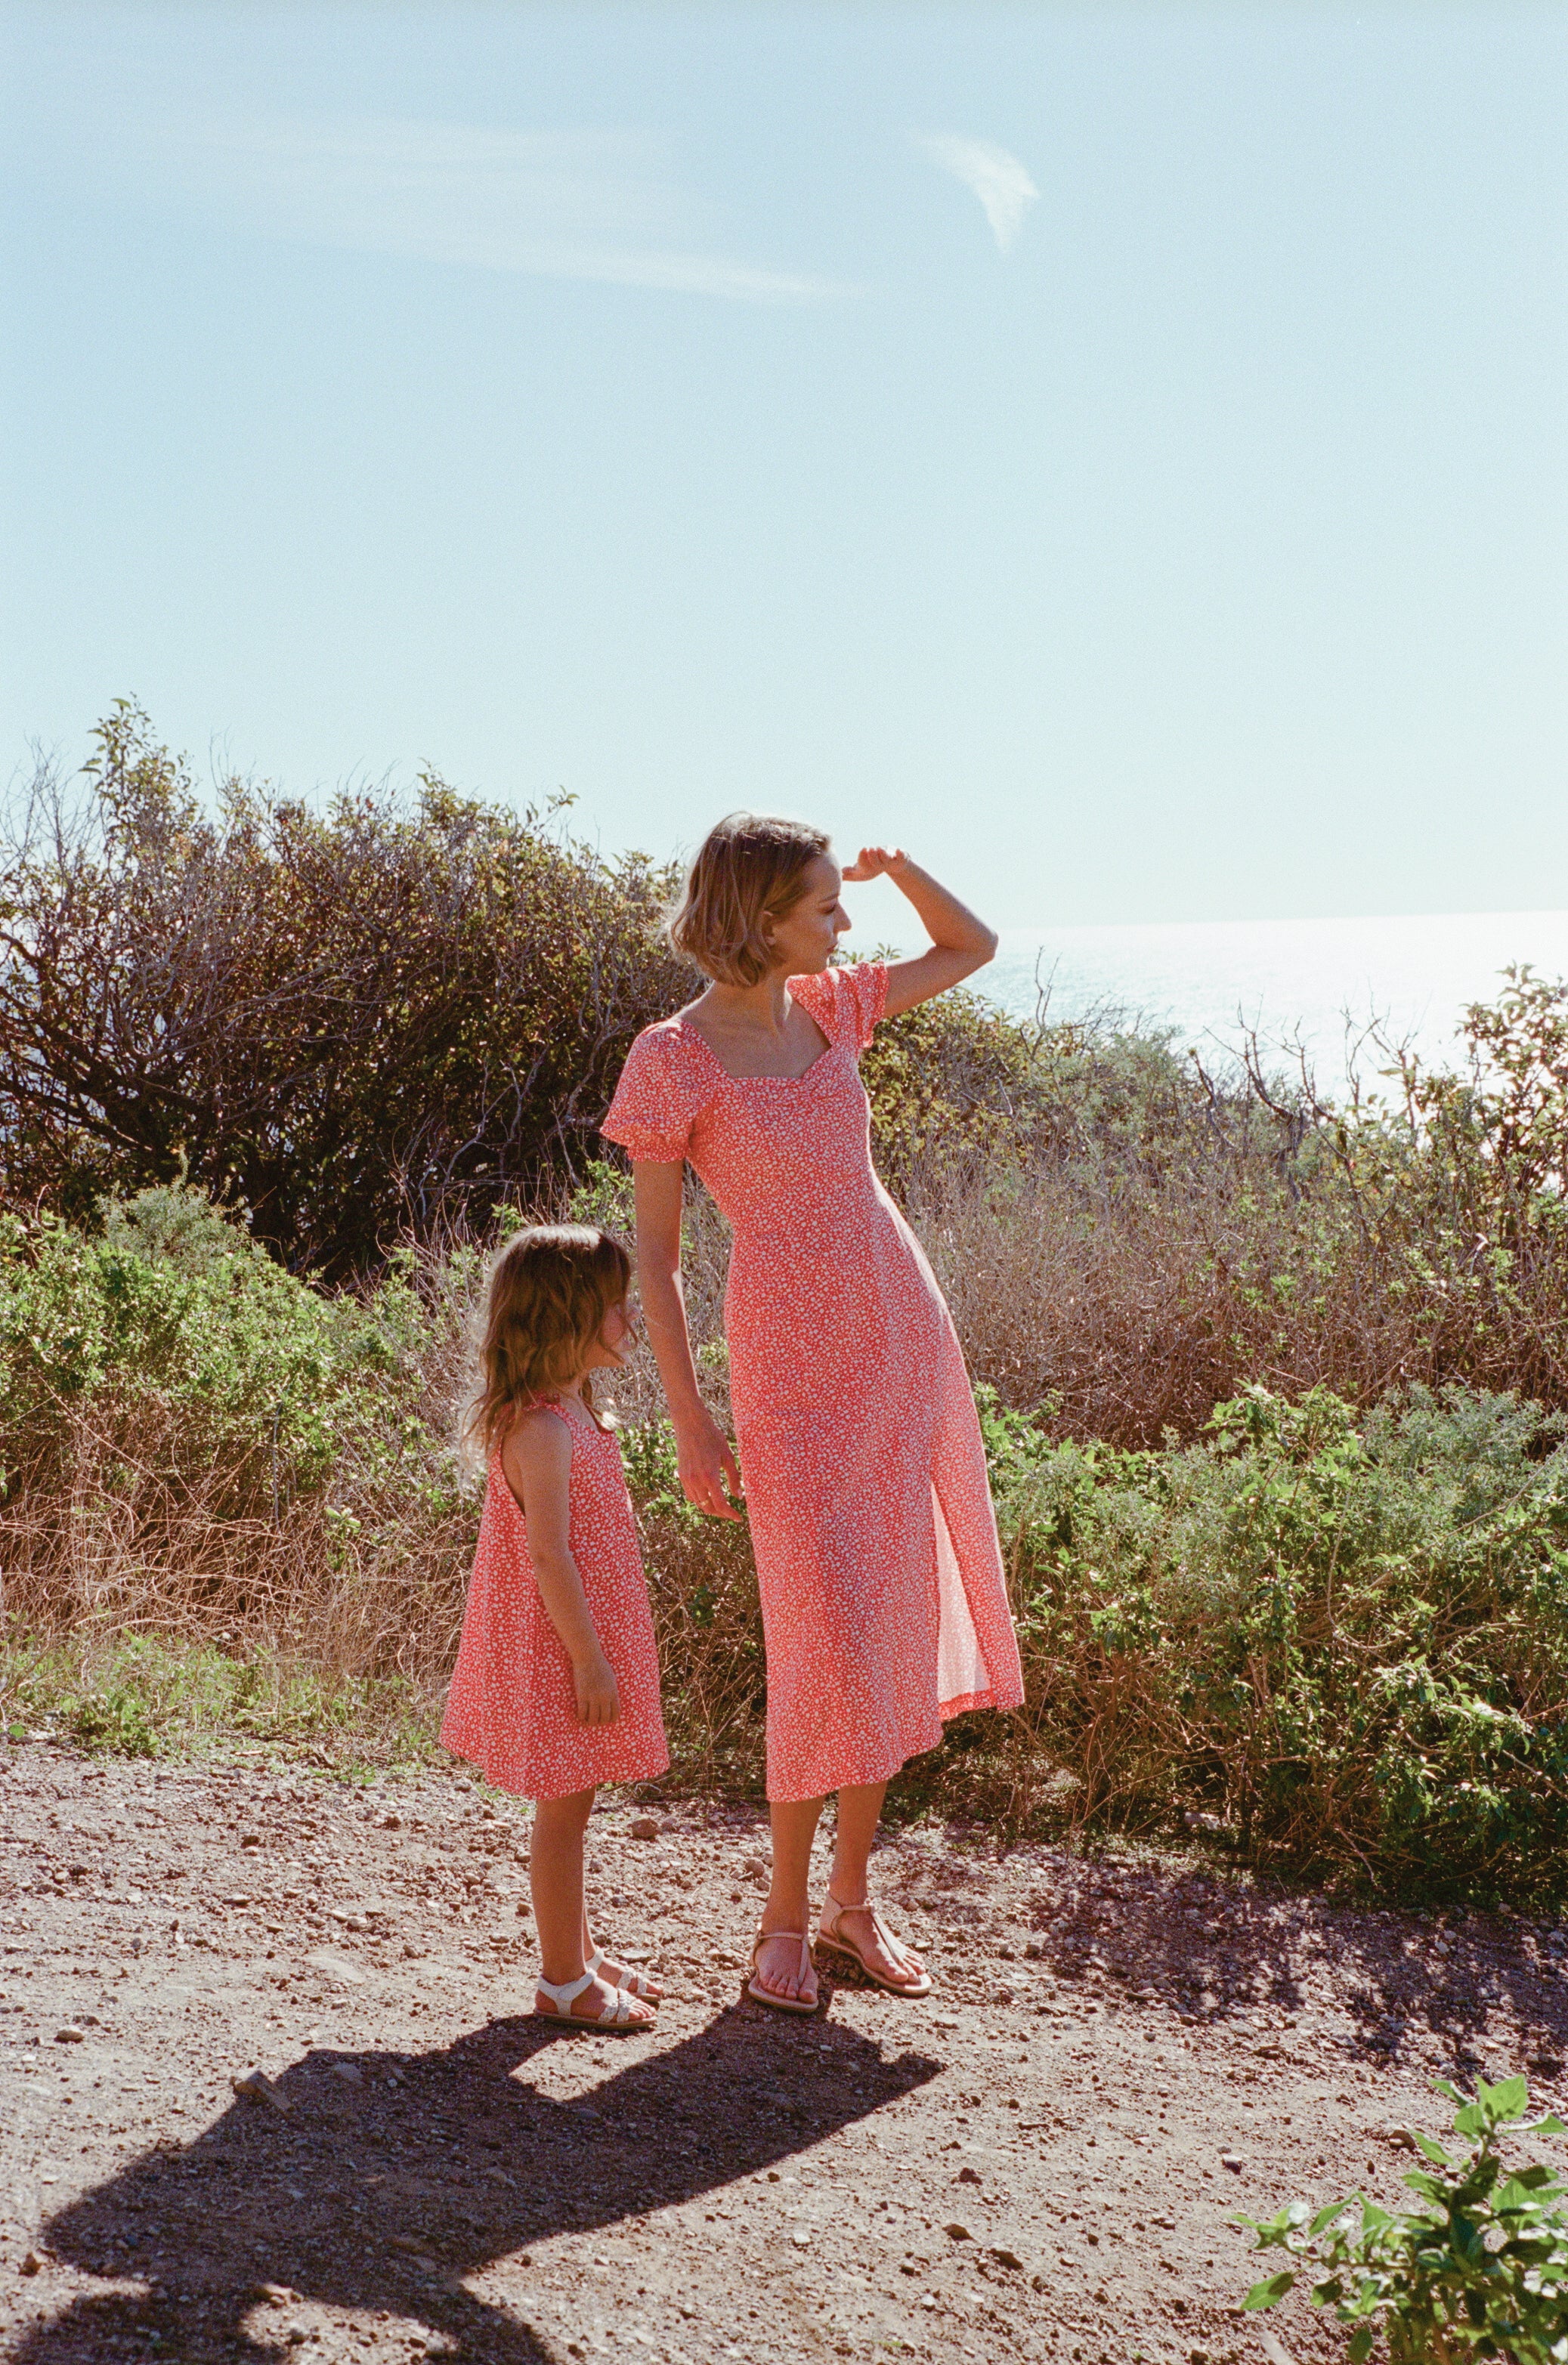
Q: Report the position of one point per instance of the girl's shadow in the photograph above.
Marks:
(394, 2175)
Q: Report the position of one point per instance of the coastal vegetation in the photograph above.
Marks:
(1273, 1389)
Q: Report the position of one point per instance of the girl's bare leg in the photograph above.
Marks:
(555, 1878)
(788, 1909)
(859, 1809)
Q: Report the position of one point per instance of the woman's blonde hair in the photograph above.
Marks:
(551, 1287)
(749, 866)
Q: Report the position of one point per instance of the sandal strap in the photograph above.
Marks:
(634, 1984)
(767, 1937)
(894, 1947)
(565, 1996)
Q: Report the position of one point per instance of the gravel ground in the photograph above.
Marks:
(1040, 2161)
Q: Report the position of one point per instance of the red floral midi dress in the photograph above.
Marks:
(884, 1603)
(511, 1708)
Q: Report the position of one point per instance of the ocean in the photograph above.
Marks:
(1208, 981)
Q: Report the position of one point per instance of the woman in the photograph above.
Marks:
(883, 1602)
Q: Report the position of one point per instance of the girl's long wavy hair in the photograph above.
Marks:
(551, 1287)
(749, 868)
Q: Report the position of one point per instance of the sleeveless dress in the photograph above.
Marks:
(511, 1708)
(884, 1602)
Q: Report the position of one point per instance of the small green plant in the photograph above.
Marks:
(1477, 2268)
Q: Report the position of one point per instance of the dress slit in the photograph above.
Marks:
(961, 1671)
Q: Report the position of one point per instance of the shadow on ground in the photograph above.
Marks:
(1213, 1948)
(396, 2174)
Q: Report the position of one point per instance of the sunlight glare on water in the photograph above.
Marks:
(1208, 981)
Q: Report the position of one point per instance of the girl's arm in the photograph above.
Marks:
(537, 1460)
(703, 1450)
(960, 943)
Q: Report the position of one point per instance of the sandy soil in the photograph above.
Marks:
(1038, 2162)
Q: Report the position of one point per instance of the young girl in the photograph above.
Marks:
(556, 1686)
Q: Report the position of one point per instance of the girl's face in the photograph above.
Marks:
(801, 939)
(612, 1350)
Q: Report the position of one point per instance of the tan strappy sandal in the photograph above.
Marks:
(765, 1995)
(830, 1935)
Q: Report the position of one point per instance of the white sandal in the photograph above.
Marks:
(765, 1995)
(830, 1935)
(615, 2019)
(634, 1984)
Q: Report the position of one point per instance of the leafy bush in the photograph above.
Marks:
(354, 1021)
(1478, 2269)
(1346, 1637)
(196, 1441)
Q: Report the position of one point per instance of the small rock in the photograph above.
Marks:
(391, 1822)
(1006, 1995)
(251, 1840)
(255, 2086)
(644, 1827)
(957, 2232)
(348, 2073)
(31, 2264)
(802, 2241)
(968, 2176)
(69, 2034)
(1233, 2160)
(1007, 2259)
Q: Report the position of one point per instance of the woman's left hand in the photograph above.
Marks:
(877, 862)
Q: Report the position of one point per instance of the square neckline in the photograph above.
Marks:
(829, 1047)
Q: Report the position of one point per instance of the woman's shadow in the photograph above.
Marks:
(388, 2177)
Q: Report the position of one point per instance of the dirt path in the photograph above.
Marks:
(1116, 2059)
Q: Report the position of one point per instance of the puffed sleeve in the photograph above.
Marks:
(847, 1003)
(658, 1100)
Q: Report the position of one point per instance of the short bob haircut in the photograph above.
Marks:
(551, 1287)
(749, 866)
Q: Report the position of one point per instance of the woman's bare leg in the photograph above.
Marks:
(859, 1809)
(788, 1909)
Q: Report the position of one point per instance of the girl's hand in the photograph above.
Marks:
(599, 1694)
(707, 1466)
(876, 861)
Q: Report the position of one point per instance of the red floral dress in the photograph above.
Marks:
(512, 1706)
(884, 1602)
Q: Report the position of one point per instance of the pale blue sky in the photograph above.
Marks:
(643, 402)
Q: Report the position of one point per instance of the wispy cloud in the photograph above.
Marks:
(567, 205)
(998, 179)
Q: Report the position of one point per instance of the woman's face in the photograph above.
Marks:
(802, 939)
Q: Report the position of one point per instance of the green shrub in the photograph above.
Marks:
(1477, 2268)
(354, 1023)
(1346, 1637)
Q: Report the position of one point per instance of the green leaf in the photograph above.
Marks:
(1510, 2100)
(1360, 2348)
(1265, 2294)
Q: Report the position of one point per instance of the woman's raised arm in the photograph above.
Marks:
(702, 1451)
(959, 941)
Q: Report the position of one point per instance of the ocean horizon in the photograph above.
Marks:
(1320, 982)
